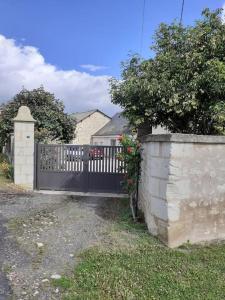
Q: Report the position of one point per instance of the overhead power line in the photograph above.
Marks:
(142, 26)
(182, 13)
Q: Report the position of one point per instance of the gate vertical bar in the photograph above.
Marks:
(38, 162)
(35, 166)
(86, 150)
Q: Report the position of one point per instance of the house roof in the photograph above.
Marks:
(118, 125)
(80, 116)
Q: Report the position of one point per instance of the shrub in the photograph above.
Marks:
(3, 157)
(131, 157)
(182, 87)
(6, 169)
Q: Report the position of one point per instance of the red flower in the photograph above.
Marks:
(129, 149)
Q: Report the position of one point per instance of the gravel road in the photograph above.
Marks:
(42, 236)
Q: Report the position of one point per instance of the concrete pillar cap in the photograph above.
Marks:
(24, 115)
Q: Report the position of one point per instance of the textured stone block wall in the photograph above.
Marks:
(153, 186)
(182, 188)
(24, 154)
(24, 148)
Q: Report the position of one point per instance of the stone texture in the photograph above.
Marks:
(24, 115)
(24, 148)
(184, 138)
(153, 184)
(182, 188)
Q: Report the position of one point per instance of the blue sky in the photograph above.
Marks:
(88, 36)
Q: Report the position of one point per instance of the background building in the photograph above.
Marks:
(87, 123)
(109, 133)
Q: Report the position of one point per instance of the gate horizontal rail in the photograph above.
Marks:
(79, 168)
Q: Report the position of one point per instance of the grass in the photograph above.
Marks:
(145, 269)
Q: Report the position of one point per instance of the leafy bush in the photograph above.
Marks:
(52, 123)
(3, 157)
(131, 158)
(182, 87)
(6, 169)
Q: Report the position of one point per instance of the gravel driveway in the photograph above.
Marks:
(42, 235)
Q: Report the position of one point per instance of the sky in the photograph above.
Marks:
(73, 47)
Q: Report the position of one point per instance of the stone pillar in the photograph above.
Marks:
(182, 187)
(24, 148)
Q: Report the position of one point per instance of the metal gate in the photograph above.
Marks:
(79, 168)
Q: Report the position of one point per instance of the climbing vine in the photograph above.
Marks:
(131, 158)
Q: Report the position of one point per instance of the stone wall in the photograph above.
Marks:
(24, 148)
(182, 187)
(159, 130)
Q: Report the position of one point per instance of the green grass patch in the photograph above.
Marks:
(148, 270)
(64, 282)
(124, 221)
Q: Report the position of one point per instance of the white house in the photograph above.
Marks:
(87, 123)
(108, 135)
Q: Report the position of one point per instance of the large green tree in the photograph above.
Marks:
(183, 86)
(52, 123)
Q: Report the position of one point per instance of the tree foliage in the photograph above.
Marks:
(52, 123)
(183, 86)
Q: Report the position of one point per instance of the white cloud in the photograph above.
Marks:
(25, 66)
(223, 13)
(93, 68)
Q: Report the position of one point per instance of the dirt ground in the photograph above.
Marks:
(42, 235)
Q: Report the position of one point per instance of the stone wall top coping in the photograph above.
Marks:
(184, 138)
(24, 115)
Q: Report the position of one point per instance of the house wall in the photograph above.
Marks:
(104, 140)
(86, 128)
(182, 187)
